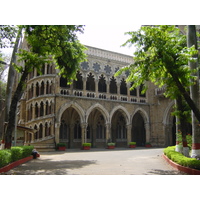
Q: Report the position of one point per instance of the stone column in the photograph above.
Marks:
(96, 87)
(128, 128)
(84, 86)
(147, 128)
(108, 132)
(57, 128)
(128, 91)
(118, 90)
(83, 133)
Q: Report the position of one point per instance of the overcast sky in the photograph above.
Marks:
(108, 36)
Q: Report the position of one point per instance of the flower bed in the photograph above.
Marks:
(181, 162)
(15, 164)
(8, 156)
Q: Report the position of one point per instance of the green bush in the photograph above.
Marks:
(86, 144)
(111, 144)
(5, 157)
(181, 159)
(61, 145)
(132, 143)
(26, 151)
(16, 153)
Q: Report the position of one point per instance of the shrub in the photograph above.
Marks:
(16, 153)
(181, 159)
(111, 144)
(132, 143)
(61, 145)
(26, 151)
(86, 144)
(5, 157)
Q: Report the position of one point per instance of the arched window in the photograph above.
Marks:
(47, 88)
(77, 130)
(113, 86)
(40, 130)
(36, 133)
(36, 110)
(31, 111)
(41, 109)
(37, 89)
(42, 88)
(90, 84)
(78, 84)
(47, 108)
(102, 84)
(46, 129)
(134, 91)
(63, 130)
(140, 91)
(63, 82)
(121, 128)
(100, 129)
(123, 87)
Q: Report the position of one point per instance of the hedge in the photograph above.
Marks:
(5, 157)
(15, 153)
(181, 159)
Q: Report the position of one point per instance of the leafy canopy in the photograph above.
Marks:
(53, 43)
(161, 54)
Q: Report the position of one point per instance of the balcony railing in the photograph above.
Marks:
(104, 96)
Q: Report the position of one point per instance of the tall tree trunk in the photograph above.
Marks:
(183, 124)
(13, 107)
(194, 92)
(10, 81)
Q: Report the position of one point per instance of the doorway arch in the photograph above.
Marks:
(138, 133)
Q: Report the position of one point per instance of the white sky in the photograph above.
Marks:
(108, 36)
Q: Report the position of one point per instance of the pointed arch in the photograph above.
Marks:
(143, 114)
(72, 105)
(124, 111)
(101, 109)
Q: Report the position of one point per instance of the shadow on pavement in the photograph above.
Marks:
(48, 167)
(166, 172)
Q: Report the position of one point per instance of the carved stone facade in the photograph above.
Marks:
(96, 108)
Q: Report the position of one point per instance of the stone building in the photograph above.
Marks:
(96, 108)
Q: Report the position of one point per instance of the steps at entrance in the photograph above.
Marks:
(44, 145)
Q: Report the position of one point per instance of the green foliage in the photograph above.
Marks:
(86, 144)
(161, 54)
(188, 138)
(5, 157)
(59, 44)
(7, 35)
(16, 153)
(181, 159)
(26, 151)
(111, 144)
(132, 143)
(61, 145)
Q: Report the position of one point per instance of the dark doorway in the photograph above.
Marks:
(138, 130)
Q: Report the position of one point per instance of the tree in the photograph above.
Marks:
(162, 57)
(47, 44)
(194, 91)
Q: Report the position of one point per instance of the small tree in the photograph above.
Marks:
(47, 43)
(162, 57)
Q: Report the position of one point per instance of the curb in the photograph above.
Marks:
(187, 170)
(15, 164)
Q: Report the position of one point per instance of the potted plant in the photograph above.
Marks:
(86, 146)
(61, 146)
(110, 145)
(132, 144)
(148, 144)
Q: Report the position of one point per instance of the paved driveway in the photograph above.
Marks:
(120, 161)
